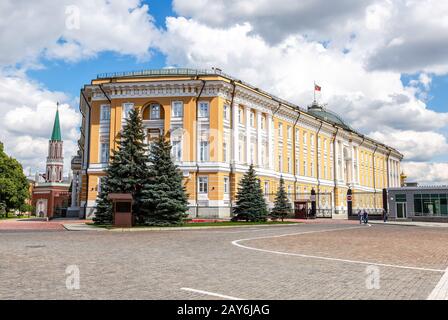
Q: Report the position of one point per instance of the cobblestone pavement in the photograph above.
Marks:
(156, 265)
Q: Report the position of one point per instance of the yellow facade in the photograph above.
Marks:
(243, 125)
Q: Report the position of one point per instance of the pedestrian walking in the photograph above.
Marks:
(384, 215)
(360, 216)
(365, 217)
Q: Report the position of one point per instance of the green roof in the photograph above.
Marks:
(56, 134)
(327, 115)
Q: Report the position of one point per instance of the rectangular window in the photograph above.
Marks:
(266, 188)
(226, 185)
(312, 140)
(280, 162)
(203, 155)
(177, 150)
(226, 111)
(224, 151)
(305, 168)
(240, 115)
(100, 184)
(104, 152)
(263, 122)
(203, 109)
(289, 129)
(203, 184)
(289, 165)
(252, 119)
(178, 109)
(155, 112)
(252, 153)
(280, 130)
(105, 112)
(127, 107)
(304, 139)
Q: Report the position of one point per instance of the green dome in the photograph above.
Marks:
(326, 115)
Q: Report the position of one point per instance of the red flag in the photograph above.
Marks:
(316, 87)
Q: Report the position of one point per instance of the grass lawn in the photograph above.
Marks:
(204, 224)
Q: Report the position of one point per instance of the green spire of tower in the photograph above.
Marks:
(56, 135)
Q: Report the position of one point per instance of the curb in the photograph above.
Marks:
(411, 224)
(195, 228)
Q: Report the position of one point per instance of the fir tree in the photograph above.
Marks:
(127, 170)
(250, 203)
(282, 206)
(164, 197)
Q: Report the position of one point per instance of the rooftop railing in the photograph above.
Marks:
(189, 72)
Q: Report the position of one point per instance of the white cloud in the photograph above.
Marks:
(275, 21)
(400, 35)
(426, 173)
(31, 29)
(27, 113)
(415, 145)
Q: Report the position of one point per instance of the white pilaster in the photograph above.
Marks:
(259, 160)
(248, 134)
(353, 165)
(270, 135)
(235, 133)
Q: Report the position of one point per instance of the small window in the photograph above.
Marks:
(203, 151)
(224, 151)
(280, 130)
(105, 112)
(203, 184)
(178, 109)
(226, 114)
(177, 150)
(240, 115)
(104, 152)
(127, 107)
(266, 188)
(203, 109)
(226, 185)
(252, 119)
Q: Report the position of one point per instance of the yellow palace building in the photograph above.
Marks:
(217, 126)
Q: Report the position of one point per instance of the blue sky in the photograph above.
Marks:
(380, 63)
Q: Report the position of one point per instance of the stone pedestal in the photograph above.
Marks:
(73, 212)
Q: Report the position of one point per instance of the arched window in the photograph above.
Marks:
(153, 111)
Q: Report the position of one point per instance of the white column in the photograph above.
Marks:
(342, 162)
(259, 142)
(353, 165)
(235, 133)
(336, 159)
(270, 136)
(248, 135)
